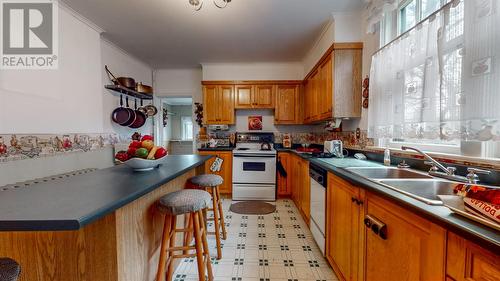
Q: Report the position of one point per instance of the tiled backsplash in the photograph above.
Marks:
(348, 138)
(18, 147)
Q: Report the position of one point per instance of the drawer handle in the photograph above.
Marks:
(377, 226)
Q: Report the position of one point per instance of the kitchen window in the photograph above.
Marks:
(435, 86)
(187, 127)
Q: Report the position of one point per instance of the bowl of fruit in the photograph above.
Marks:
(142, 155)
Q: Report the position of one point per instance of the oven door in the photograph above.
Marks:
(254, 168)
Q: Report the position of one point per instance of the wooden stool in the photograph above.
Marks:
(9, 269)
(191, 202)
(211, 183)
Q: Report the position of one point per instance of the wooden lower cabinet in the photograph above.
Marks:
(344, 216)
(300, 186)
(413, 249)
(467, 261)
(226, 169)
(285, 183)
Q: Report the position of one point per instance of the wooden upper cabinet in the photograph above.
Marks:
(287, 104)
(218, 103)
(226, 104)
(343, 218)
(413, 249)
(211, 108)
(244, 96)
(254, 96)
(264, 96)
(333, 87)
(467, 261)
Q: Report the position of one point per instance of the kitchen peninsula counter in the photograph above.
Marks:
(102, 225)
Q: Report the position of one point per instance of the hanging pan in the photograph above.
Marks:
(126, 82)
(140, 118)
(121, 114)
(132, 117)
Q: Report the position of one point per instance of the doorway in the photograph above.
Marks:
(178, 125)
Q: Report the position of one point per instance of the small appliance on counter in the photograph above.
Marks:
(287, 141)
(334, 147)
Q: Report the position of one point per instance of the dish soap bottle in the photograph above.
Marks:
(387, 157)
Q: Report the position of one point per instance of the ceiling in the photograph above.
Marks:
(169, 33)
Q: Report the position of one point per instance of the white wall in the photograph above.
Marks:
(253, 71)
(57, 101)
(345, 27)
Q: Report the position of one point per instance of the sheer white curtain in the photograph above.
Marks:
(376, 9)
(441, 80)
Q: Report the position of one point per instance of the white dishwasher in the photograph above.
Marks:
(318, 178)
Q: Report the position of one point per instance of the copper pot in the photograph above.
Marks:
(145, 89)
(126, 82)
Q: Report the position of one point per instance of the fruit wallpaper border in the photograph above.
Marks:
(29, 146)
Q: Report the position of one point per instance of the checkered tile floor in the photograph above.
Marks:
(274, 247)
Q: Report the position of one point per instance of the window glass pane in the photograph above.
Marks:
(187, 128)
(408, 16)
(429, 7)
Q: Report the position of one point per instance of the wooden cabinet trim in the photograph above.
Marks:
(252, 82)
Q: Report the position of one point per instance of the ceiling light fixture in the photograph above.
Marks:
(198, 4)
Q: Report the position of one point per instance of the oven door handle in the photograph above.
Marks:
(254, 156)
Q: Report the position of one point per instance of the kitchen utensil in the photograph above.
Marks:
(140, 118)
(143, 109)
(145, 89)
(151, 110)
(142, 165)
(132, 114)
(126, 82)
(121, 114)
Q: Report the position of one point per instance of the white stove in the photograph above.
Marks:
(254, 168)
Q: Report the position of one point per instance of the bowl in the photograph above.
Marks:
(142, 165)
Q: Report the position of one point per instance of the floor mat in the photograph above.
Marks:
(252, 208)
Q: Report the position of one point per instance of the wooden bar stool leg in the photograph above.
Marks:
(206, 251)
(163, 249)
(170, 268)
(216, 223)
(188, 236)
(198, 245)
(221, 214)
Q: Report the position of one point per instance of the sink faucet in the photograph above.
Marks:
(446, 172)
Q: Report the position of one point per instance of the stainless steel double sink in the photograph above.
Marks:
(415, 184)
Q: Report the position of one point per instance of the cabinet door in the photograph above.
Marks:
(315, 92)
(325, 104)
(467, 261)
(225, 104)
(210, 104)
(264, 96)
(305, 186)
(414, 248)
(284, 183)
(244, 96)
(343, 233)
(295, 183)
(226, 169)
(307, 100)
(287, 97)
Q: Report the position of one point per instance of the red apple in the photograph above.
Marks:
(136, 144)
(131, 151)
(160, 152)
(146, 137)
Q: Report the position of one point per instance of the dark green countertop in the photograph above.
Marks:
(471, 230)
(71, 203)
